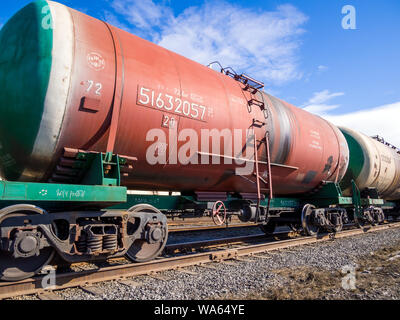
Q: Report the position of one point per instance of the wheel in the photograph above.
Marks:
(366, 221)
(379, 216)
(219, 213)
(338, 228)
(141, 250)
(362, 223)
(16, 269)
(268, 228)
(307, 220)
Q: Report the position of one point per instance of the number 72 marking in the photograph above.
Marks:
(98, 86)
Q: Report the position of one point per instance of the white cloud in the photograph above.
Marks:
(144, 14)
(382, 121)
(324, 96)
(317, 103)
(321, 109)
(322, 68)
(261, 43)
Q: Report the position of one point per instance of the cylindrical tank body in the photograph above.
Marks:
(64, 76)
(372, 164)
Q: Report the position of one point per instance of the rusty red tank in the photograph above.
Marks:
(85, 84)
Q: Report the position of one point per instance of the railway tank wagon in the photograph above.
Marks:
(373, 164)
(87, 108)
(369, 190)
(102, 89)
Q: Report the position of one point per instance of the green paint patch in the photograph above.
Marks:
(356, 161)
(26, 43)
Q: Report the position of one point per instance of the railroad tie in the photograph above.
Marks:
(96, 291)
(229, 262)
(243, 259)
(130, 283)
(159, 277)
(207, 266)
(261, 257)
(192, 273)
(49, 295)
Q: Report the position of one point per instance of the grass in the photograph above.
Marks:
(377, 277)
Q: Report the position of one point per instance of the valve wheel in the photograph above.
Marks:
(219, 213)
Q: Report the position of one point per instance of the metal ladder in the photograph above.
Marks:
(254, 86)
(259, 179)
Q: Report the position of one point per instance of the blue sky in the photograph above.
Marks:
(298, 48)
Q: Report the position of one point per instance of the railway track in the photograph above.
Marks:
(184, 247)
(245, 246)
(191, 227)
(204, 223)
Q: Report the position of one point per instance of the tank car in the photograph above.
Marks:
(373, 164)
(84, 70)
(374, 167)
(89, 110)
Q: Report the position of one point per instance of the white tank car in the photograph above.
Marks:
(373, 164)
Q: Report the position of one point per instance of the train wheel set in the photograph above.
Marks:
(89, 111)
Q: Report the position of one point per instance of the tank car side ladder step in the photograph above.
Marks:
(259, 179)
(250, 84)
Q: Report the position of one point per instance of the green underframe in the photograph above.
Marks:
(187, 202)
(50, 196)
(66, 196)
(330, 194)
